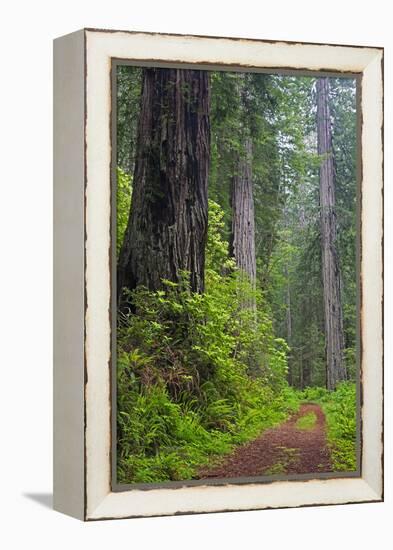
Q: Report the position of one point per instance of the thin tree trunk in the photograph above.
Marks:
(334, 332)
(301, 370)
(289, 325)
(306, 372)
(243, 223)
(167, 227)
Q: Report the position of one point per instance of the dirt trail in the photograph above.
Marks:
(286, 449)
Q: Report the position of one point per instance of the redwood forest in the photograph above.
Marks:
(236, 253)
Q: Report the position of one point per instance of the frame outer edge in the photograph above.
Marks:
(69, 265)
(110, 505)
(373, 277)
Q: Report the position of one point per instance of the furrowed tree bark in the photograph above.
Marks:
(242, 242)
(243, 222)
(167, 226)
(336, 370)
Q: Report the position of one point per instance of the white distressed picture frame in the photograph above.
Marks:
(82, 252)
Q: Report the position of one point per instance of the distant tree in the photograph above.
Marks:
(334, 329)
(243, 217)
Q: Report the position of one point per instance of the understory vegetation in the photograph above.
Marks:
(187, 389)
(197, 373)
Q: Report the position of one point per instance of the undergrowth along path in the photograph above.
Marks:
(297, 446)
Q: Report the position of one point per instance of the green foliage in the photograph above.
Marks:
(129, 84)
(185, 390)
(340, 410)
(217, 259)
(123, 205)
(307, 421)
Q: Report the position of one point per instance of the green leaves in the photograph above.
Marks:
(123, 205)
(129, 83)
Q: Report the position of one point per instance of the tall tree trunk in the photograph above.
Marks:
(289, 324)
(167, 227)
(242, 242)
(334, 332)
(243, 223)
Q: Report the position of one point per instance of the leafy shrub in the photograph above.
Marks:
(123, 204)
(187, 391)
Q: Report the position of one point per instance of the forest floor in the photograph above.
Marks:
(297, 446)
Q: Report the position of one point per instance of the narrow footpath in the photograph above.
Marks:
(297, 446)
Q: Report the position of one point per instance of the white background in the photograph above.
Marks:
(28, 28)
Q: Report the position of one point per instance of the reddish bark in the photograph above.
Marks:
(167, 228)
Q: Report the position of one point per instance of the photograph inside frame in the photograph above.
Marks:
(236, 231)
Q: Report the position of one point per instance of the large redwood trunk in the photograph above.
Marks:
(334, 332)
(167, 228)
(243, 223)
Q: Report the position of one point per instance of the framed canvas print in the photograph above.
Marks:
(218, 274)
